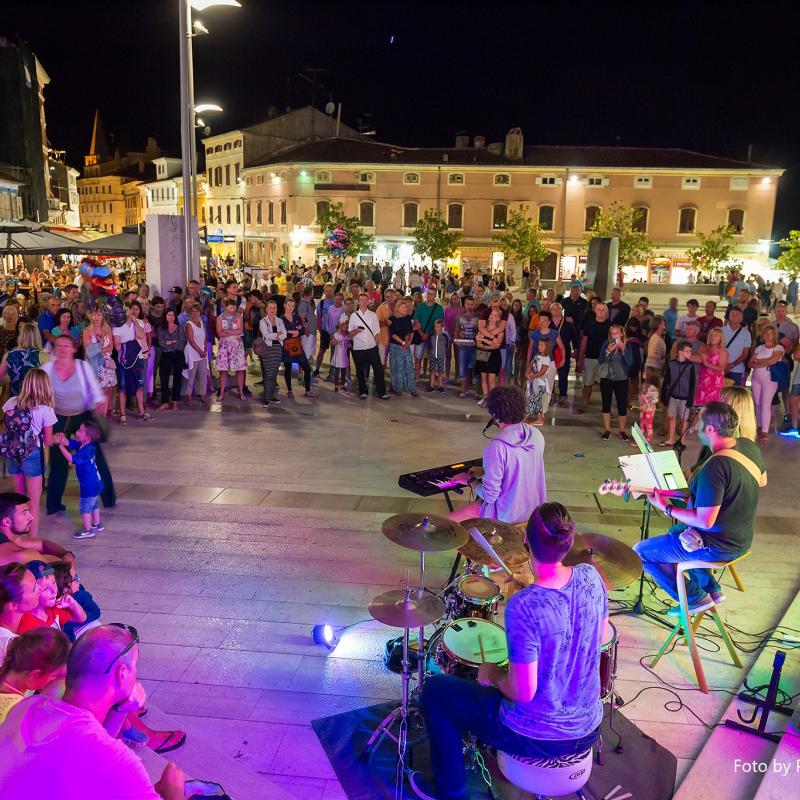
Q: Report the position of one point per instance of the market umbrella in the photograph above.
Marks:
(31, 238)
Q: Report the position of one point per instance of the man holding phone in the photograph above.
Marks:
(364, 329)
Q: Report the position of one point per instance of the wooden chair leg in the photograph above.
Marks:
(666, 644)
(736, 579)
(723, 632)
(691, 642)
(698, 618)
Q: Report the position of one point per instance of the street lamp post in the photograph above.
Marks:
(188, 147)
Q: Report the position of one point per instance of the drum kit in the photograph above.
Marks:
(469, 633)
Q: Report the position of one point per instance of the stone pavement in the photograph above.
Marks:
(238, 528)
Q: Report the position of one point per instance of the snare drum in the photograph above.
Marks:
(459, 649)
(608, 665)
(473, 596)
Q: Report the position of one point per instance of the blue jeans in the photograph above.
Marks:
(660, 553)
(454, 706)
(466, 361)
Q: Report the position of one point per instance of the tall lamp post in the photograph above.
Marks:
(188, 148)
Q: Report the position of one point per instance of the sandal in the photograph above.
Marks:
(172, 741)
(123, 420)
(144, 417)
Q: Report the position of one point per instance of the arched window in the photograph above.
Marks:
(409, 214)
(499, 215)
(502, 179)
(366, 213)
(641, 219)
(322, 177)
(455, 179)
(218, 148)
(455, 215)
(258, 212)
(411, 178)
(736, 219)
(547, 217)
(217, 176)
(227, 146)
(270, 213)
(323, 206)
(687, 220)
(592, 213)
(283, 212)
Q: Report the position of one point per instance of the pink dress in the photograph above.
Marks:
(710, 382)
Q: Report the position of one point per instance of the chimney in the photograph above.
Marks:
(513, 151)
(480, 142)
(495, 148)
(462, 140)
(445, 157)
(272, 112)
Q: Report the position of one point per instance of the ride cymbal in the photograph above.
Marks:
(400, 609)
(508, 541)
(617, 563)
(426, 532)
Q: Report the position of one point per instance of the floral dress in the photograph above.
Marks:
(710, 382)
(20, 361)
(104, 368)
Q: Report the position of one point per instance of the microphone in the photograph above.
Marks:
(489, 424)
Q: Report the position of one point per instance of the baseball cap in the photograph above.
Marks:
(177, 290)
(40, 569)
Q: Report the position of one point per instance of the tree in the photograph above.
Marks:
(360, 241)
(522, 238)
(433, 239)
(714, 248)
(621, 221)
(789, 260)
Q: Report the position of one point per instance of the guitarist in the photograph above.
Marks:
(717, 524)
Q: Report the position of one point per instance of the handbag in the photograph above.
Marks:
(781, 374)
(604, 371)
(292, 346)
(130, 353)
(260, 347)
(483, 356)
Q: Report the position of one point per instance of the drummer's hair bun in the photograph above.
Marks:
(550, 532)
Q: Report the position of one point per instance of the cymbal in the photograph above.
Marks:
(617, 563)
(508, 541)
(392, 608)
(426, 532)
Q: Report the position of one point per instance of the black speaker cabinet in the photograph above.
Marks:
(601, 265)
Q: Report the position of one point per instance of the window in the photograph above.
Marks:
(283, 212)
(237, 143)
(410, 212)
(219, 215)
(740, 184)
(546, 217)
(502, 179)
(323, 206)
(365, 177)
(202, 213)
(595, 181)
(258, 212)
(687, 220)
(366, 213)
(218, 176)
(270, 213)
(218, 148)
(246, 213)
(548, 180)
(641, 219)
(455, 179)
(411, 178)
(228, 215)
(322, 177)
(227, 174)
(642, 182)
(227, 146)
(736, 219)
(236, 172)
(209, 150)
(592, 213)
(455, 215)
(690, 183)
(499, 215)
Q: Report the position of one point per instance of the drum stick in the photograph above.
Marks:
(480, 644)
(485, 546)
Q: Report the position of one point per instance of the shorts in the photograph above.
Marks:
(30, 467)
(795, 390)
(324, 340)
(420, 350)
(676, 408)
(130, 380)
(466, 361)
(88, 504)
(590, 370)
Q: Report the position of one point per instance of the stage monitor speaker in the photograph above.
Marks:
(601, 265)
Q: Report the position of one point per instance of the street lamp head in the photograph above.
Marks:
(199, 109)
(202, 5)
(199, 28)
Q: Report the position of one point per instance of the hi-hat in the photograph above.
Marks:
(424, 532)
(402, 609)
(508, 541)
(617, 563)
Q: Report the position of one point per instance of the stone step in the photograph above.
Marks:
(783, 770)
(722, 769)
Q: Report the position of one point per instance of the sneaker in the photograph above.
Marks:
(275, 400)
(789, 432)
(384, 397)
(624, 436)
(99, 528)
(84, 534)
(363, 396)
(431, 389)
(704, 604)
(462, 395)
(440, 389)
(265, 404)
(606, 436)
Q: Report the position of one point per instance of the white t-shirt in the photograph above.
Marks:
(762, 352)
(41, 733)
(369, 321)
(41, 416)
(127, 332)
(5, 638)
(680, 325)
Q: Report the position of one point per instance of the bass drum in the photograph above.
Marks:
(459, 649)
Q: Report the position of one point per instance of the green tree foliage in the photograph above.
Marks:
(433, 239)
(714, 248)
(619, 220)
(789, 259)
(360, 241)
(521, 239)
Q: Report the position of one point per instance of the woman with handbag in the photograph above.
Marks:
(269, 350)
(230, 350)
(98, 345)
(130, 342)
(615, 362)
(764, 380)
(293, 348)
(491, 337)
(78, 397)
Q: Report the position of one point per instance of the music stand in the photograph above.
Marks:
(650, 470)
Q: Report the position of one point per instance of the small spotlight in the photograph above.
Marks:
(325, 635)
(303, 173)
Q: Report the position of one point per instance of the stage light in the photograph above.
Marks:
(325, 635)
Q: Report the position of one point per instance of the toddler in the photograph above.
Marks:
(81, 452)
(538, 385)
(648, 401)
(340, 360)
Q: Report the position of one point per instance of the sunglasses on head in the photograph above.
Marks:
(133, 633)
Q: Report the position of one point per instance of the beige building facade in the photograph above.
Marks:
(474, 187)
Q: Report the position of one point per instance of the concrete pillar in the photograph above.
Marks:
(165, 253)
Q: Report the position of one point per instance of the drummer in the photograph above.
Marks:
(547, 702)
(512, 479)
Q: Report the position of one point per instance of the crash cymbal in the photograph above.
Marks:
(617, 563)
(508, 541)
(425, 532)
(400, 610)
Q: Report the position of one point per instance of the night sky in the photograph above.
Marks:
(713, 79)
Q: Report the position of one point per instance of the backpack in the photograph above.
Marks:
(17, 441)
